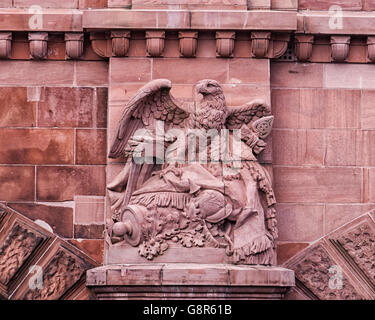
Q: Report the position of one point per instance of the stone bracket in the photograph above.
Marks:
(155, 43)
(74, 45)
(340, 48)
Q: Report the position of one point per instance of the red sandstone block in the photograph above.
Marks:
(60, 219)
(329, 108)
(302, 223)
(119, 3)
(66, 4)
(296, 75)
(246, 20)
(316, 108)
(337, 215)
(284, 4)
(92, 73)
(306, 185)
(91, 146)
(93, 248)
(254, 71)
(6, 3)
(285, 107)
(325, 5)
(240, 94)
(36, 73)
(17, 183)
(54, 20)
(94, 4)
(350, 148)
(355, 23)
(89, 210)
(349, 76)
(190, 71)
(36, 146)
(64, 182)
(90, 231)
(302, 147)
(368, 5)
(286, 251)
(137, 19)
(72, 107)
(130, 70)
(368, 110)
(15, 108)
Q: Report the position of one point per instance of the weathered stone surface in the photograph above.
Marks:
(300, 223)
(91, 231)
(60, 219)
(325, 5)
(36, 146)
(17, 183)
(285, 251)
(93, 248)
(368, 110)
(72, 107)
(302, 147)
(318, 185)
(89, 209)
(16, 110)
(36, 73)
(91, 146)
(83, 180)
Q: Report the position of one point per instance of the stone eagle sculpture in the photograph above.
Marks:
(172, 200)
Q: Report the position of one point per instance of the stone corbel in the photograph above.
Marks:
(188, 43)
(38, 45)
(340, 46)
(303, 45)
(155, 43)
(371, 48)
(100, 44)
(120, 43)
(260, 41)
(278, 45)
(225, 43)
(74, 45)
(5, 45)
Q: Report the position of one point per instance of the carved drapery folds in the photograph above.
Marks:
(155, 43)
(260, 42)
(5, 45)
(340, 46)
(120, 43)
(74, 45)
(303, 45)
(225, 43)
(38, 45)
(188, 41)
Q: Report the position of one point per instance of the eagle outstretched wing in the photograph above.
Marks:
(255, 114)
(152, 102)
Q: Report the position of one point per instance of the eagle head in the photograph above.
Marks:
(209, 87)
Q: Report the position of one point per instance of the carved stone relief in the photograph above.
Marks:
(17, 247)
(225, 201)
(59, 275)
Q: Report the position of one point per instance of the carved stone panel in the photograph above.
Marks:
(17, 247)
(63, 271)
(313, 270)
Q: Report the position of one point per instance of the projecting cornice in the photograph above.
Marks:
(190, 19)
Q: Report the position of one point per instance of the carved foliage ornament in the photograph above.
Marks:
(224, 201)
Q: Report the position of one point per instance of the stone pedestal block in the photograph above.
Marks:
(188, 281)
